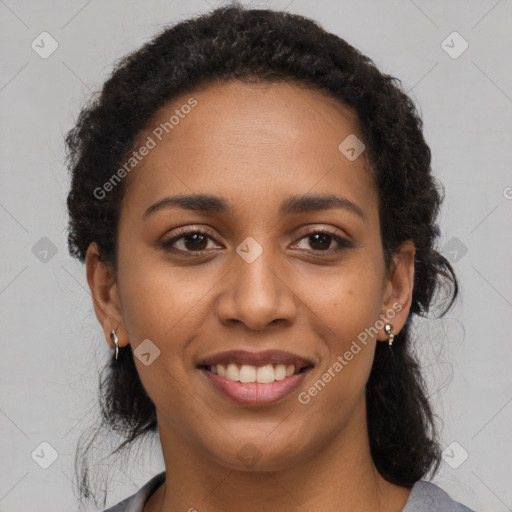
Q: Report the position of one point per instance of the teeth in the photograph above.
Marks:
(248, 373)
(232, 372)
(265, 374)
(280, 372)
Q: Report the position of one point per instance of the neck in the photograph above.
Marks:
(339, 475)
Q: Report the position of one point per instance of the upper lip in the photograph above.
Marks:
(256, 358)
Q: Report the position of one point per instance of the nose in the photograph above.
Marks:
(256, 294)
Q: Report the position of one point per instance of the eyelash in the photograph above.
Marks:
(344, 243)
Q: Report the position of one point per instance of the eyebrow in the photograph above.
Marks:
(292, 205)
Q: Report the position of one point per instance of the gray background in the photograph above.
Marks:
(51, 342)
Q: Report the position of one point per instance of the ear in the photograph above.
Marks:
(398, 289)
(102, 282)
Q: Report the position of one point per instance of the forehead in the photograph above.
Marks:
(250, 140)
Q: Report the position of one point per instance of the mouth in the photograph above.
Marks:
(262, 367)
(255, 379)
(246, 373)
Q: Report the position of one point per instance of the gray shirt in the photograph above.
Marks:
(425, 497)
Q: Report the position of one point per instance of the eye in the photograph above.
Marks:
(192, 240)
(196, 241)
(321, 240)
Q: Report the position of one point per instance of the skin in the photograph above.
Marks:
(255, 145)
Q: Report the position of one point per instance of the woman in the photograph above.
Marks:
(255, 206)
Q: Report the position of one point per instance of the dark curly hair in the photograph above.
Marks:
(236, 43)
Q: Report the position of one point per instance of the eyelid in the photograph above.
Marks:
(199, 228)
(329, 230)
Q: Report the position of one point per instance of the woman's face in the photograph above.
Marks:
(265, 273)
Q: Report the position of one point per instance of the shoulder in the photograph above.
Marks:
(428, 497)
(136, 502)
(425, 497)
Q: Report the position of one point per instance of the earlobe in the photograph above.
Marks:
(103, 286)
(399, 289)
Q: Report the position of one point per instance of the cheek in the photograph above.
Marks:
(160, 300)
(158, 305)
(350, 305)
(350, 300)
(166, 305)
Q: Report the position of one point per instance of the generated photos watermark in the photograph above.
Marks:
(342, 360)
(150, 143)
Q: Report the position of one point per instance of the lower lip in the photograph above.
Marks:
(254, 393)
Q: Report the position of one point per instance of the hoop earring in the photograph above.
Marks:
(114, 337)
(388, 328)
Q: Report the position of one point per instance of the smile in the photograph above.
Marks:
(248, 373)
(247, 390)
